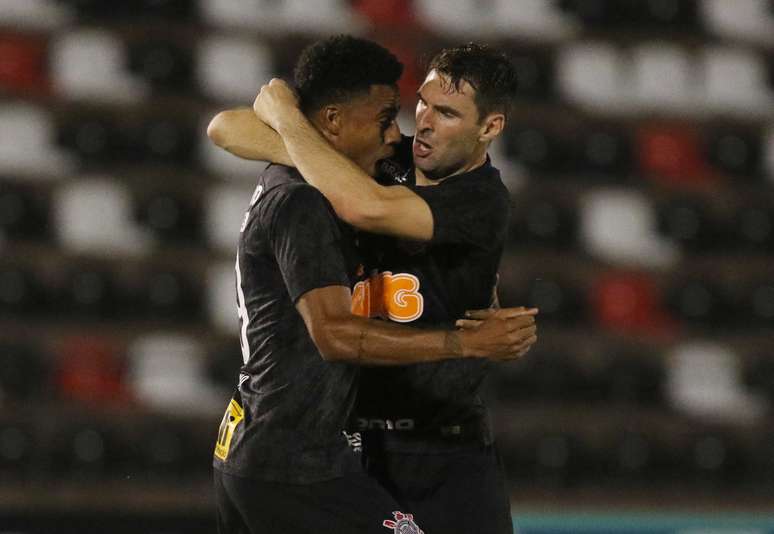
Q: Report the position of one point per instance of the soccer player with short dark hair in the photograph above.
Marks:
(282, 462)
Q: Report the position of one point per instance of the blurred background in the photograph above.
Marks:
(640, 160)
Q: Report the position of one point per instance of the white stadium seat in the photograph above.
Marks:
(34, 14)
(664, 78)
(221, 297)
(594, 75)
(95, 215)
(166, 373)
(232, 69)
(747, 20)
(26, 143)
(531, 18)
(620, 226)
(735, 82)
(704, 380)
(226, 206)
(90, 65)
(461, 18)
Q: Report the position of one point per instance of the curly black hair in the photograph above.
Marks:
(490, 72)
(341, 67)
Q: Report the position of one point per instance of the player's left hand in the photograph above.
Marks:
(277, 102)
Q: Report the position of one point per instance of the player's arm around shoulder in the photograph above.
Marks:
(394, 210)
(241, 133)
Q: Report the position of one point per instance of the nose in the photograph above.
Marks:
(424, 122)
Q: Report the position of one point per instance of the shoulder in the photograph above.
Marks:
(283, 187)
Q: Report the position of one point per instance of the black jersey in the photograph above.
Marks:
(286, 419)
(431, 285)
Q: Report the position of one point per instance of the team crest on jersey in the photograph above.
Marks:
(403, 524)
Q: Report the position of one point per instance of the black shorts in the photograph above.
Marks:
(459, 491)
(354, 503)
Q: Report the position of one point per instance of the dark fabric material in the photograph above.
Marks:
(456, 271)
(457, 492)
(353, 504)
(295, 404)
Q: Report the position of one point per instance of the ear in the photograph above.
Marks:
(492, 126)
(329, 119)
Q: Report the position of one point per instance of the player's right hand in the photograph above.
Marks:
(503, 334)
(275, 103)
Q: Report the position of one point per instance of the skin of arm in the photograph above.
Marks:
(341, 336)
(354, 195)
(242, 133)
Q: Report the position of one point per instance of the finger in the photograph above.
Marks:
(480, 314)
(467, 323)
(517, 312)
(518, 323)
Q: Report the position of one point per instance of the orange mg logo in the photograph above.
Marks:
(389, 296)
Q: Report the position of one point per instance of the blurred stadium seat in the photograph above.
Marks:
(639, 159)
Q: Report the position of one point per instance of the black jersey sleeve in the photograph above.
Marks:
(307, 242)
(472, 211)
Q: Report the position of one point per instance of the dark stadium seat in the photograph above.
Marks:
(164, 64)
(560, 460)
(223, 364)
(537, 149)
(558, 300)
(24, 372)
(758, 375)
(631, 458)
(543, 222)
(170, 217)
(23, 213)
(634, 377)
(17, 447)
(757, 305)
(605, 150)
(699, 302)
(167, 294)
(546, 374)
(689, 222)
(92, 450)
(737, 153)
(717, 459)
(535, 76)
(91, 292)
(21, 293)
(25, 68)
(621, 14)
(753, 227)
(93, 138)
(169, 141)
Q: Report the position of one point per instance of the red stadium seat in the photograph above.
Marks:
(397, 13)
(89, 370)
(23, 68)
(671, 155)
(630, 302)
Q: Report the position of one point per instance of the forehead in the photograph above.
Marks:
(378, 99)
(439, 86)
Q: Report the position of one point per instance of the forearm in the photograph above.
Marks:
(241, 133)
(362, 341)
(349, 189)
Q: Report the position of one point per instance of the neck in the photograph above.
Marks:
(473, 163)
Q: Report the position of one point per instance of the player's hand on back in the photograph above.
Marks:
(277, 102)
(498, 334)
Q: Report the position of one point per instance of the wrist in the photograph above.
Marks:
(457, 343)
(288, 120)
